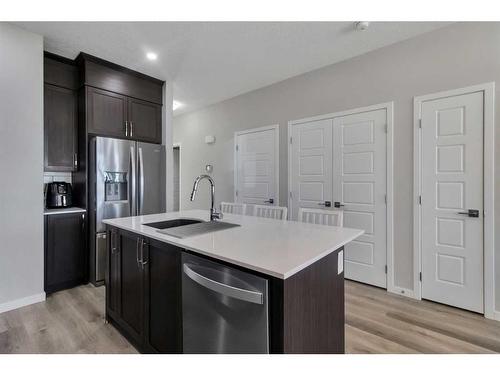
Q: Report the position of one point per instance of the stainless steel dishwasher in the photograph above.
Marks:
(224, 309)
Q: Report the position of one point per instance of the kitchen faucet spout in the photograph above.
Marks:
(213, 213)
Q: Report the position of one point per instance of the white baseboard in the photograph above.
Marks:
(495, 315)
(21, 302)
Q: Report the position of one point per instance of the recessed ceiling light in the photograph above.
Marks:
(151, 56)
(176, 104)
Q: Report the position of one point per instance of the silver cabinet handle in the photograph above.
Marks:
(143, 262)
(112, 241)
(131, 128)
(75, 160)
(137, 253)
(126, 128)
(224, 289)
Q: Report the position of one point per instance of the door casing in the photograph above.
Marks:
(389, 107)
(276, 129)
(179, 146)
(488, 191)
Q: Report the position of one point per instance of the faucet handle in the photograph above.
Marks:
(217, 215)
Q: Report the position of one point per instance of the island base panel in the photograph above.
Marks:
(307, 310)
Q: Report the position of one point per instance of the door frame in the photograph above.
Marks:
(179, 146)
(488, 191)
(389, 107)
(276, 129)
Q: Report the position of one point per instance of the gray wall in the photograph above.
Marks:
(167, 133)
(21, 167)
(453, 57)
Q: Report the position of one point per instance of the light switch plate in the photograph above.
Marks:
(340, 262)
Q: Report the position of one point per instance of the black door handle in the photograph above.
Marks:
(326, 204)
(470, 213)
(337, 205)
(271, 200)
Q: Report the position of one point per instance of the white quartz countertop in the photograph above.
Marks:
(273, 247)
(66, 210)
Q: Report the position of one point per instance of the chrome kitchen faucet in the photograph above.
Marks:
(213, 213)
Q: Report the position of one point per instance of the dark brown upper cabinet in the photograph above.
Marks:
(121, 102)
(108, 76)
(116, 115)
(144, 120)
(106, 113)
(60, 114)
(60, 71)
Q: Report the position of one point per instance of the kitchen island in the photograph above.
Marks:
(151, 301)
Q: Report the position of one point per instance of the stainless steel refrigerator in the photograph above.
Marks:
(129, 181)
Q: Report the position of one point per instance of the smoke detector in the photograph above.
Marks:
(361, 25)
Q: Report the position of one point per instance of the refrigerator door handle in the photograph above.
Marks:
(133, 183)
(140, 166)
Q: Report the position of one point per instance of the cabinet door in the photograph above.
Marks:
(64, 251)
(163, 329)
(132, 286)
(113, 275)
(106, 113)
(145, 120)
(60, 128)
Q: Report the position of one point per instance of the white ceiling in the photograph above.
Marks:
(212, 61)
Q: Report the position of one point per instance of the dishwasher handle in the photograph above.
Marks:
(224, 289)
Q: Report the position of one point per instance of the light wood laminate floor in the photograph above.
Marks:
(72, 321)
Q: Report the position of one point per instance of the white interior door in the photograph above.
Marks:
(359, 183)
(257, 166)
(452, 184)
(311, 181)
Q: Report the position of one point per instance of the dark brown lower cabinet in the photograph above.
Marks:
(143, 289)
(132, 286)
(65, 251)
(163, 323)
(144, 299)
(113, 274)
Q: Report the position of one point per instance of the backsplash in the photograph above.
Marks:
(56, 176)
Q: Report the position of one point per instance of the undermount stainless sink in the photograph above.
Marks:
(173, 223)
(198, 228)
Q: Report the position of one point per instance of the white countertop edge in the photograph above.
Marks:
(60, 211)
(174, 241)
(318, 257)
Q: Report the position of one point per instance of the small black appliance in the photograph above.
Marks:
(59, 194)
